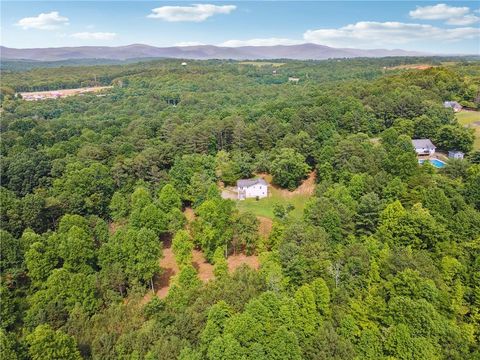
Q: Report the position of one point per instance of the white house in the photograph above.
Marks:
(455, 154)
(293, 79)
(453, 104)
(423, 146)
(252, 188)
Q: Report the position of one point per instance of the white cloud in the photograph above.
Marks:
(438, 12)
(464, 20)
(371, 33)
(451, 14)
(261, 42)
(194, 13)
(45, 21)
(94, 35)
(189, 43)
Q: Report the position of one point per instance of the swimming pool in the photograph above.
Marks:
(435, 162)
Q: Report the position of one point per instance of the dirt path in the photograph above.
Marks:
(265, 227)
(204, 269)
(169, 269)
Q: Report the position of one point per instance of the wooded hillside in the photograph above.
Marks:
(383, 263)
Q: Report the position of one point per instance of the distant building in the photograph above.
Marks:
(294, 80)
(184, 64)
(274, 72)
(423, 146)
(252, 188)
(455, 154)
(453, 105)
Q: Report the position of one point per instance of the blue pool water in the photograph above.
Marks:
(435, 162)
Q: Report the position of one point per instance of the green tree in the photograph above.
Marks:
(246, 233)
(182, 247)
(40, 260)
(169, 199)
(85, 189)
(455, 137)
(366, 219)
(11, 251)
(220, 268)
(119, 207)
(46, 343)
(288, 168)
(322, 296)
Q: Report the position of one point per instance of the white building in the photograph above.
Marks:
(423, 146)
(252, 188)
(453, 105)
(455, 154)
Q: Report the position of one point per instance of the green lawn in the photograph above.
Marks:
(264, 207)
(467, 118)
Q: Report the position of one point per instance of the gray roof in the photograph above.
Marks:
(451, 104)
(422, 143)
(250, 182)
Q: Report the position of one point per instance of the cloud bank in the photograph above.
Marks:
(45, 21)
(452, 15)
(372, 33)
(193, 13)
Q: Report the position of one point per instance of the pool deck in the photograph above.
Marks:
(438, 156)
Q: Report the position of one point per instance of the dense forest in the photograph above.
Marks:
(382, 263)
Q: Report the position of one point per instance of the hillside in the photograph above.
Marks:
(116, 242)
(138, 51)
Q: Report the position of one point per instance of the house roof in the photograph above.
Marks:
(250, 182)
(451, 104)
(422, 143)
(455, 152)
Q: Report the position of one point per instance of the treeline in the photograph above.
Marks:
(382, 264)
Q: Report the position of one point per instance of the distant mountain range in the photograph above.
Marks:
(201, 52)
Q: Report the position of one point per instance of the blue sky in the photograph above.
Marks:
(439, 27)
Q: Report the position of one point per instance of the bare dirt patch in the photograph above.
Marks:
(163, 282)
(204, 269)
(54, 94)
(265, 226)
(235, 261)
(307, 187)
(411, 66)
(169, 269)
(189, 214)
(114, 226)
(229, 193)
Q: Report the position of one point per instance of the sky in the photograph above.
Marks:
(451, 27)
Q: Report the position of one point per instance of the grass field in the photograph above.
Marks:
(264, 207)
(471, 119)
(261, 63)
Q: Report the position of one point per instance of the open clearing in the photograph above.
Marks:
(411, 66)
(471, 119)
(261, 63)
(53, 94)
(297, 198)
(170, 268)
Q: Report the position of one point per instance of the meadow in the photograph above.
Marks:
(471, 119)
